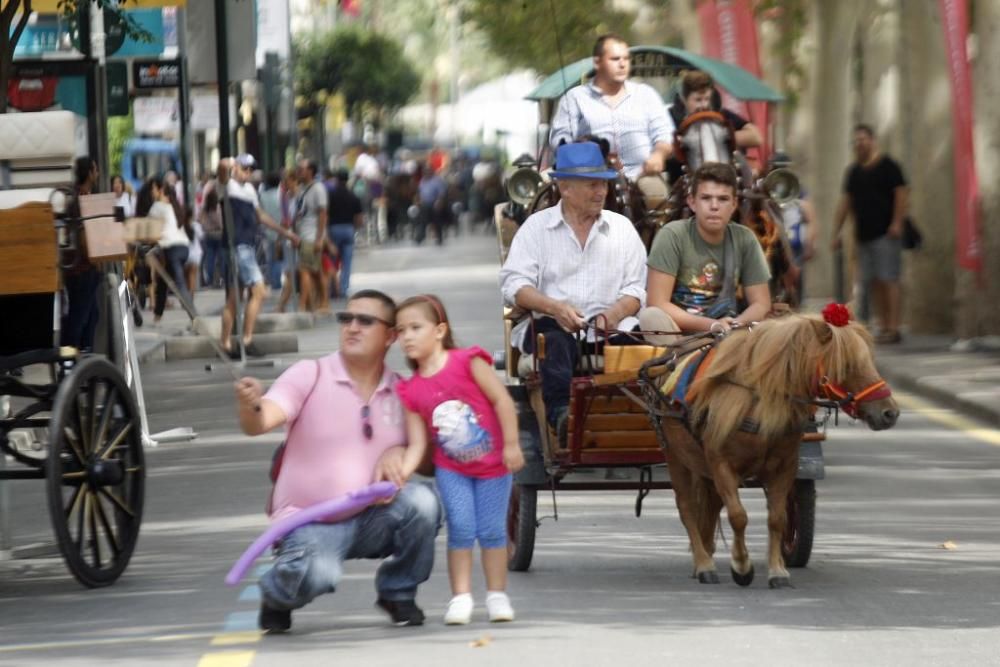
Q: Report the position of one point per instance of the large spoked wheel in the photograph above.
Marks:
(797, 543)
(521, 525)
(95, 473)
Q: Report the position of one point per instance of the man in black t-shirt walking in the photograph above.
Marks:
(876, 197)
(345, 214)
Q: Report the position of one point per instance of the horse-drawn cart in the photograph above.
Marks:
(70, 418)
(611, 424)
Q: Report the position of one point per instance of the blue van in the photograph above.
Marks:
(143, 158)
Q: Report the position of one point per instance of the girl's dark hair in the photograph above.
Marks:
(117, 177)
(187, 222)
(178, 209)
(435, 312)
(144, 200)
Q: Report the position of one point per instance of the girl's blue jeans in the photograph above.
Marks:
(476, 509)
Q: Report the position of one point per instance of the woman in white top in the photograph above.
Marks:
(196, 234)
(155, 201)
(123, 195)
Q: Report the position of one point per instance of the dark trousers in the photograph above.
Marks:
(563, 352)
(174, 259)
(211, 260)
(80, 323)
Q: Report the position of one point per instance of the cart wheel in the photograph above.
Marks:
(95, 473)
(521, 525)
(796, 545)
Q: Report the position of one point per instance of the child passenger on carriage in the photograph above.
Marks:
(697, 267)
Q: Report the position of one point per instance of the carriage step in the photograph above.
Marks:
(200, 347)
(618, 440)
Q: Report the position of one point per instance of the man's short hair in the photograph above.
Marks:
(607, 37)
(695, 81)
(387, 301)
(312, 167)
(866, 128)
(713, 172)
(82, 167)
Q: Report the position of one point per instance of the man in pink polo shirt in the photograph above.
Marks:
(346, 429)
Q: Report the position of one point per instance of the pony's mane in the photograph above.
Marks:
(777, 360)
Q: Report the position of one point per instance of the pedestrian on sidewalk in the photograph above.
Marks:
(345, 431)
(157, 200)
(288, 192)
(455, 396)
(234, 175)
(346, 216)
(875, 195)
(310, 226)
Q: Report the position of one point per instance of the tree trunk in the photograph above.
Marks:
(986, 90)
(879, 103)
(682, 15)
(926, 106)
(830, 100)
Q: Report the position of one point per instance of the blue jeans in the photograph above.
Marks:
(475, 509)
(211, 259)
(310, 560)
(342, 236)
(174, 259)
(273, 278)
(79, 325)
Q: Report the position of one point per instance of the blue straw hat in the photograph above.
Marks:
(582, 160)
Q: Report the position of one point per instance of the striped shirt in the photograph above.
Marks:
(546, 255)
(633, 127)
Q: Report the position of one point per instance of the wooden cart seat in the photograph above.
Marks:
(612, 420)
(28, 250)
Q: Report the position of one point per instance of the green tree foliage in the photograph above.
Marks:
(120, 130)
(531, 33)
(367, 68)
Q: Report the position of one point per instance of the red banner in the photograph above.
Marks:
(729, 34)
(955, 19)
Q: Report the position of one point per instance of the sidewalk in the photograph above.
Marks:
(968, 382)
(151, 339)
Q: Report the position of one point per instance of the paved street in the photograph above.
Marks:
(605, 588)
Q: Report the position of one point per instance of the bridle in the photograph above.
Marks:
(829, 392)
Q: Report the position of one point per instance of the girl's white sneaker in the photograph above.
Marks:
(498, 607)
(459, 610)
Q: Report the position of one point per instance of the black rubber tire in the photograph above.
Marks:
(521, 525)
(95, 472)
(797, 543)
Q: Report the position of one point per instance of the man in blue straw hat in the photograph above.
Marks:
(572, 265)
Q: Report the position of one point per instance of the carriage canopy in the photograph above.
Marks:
(662, 61)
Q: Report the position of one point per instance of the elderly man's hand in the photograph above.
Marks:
(568, 316)
(606, 320)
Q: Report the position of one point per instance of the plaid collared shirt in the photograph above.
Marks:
(546, 255)
(639, 122)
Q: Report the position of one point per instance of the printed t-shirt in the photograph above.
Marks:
(680, 251)
(462, 425)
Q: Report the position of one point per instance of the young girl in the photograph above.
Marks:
(456, 398)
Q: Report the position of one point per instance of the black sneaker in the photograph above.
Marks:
(274, 621)
(402, 612)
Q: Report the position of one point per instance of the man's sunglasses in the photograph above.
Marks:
(366, 423)
(346, 317)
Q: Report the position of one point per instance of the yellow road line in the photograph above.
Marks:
(233, 638)
(227, 659)
(967, 426)
(109, 641)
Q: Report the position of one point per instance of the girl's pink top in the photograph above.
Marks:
(462, 425)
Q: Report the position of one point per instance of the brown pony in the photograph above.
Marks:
(747, 413)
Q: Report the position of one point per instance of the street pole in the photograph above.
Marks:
(183, 101)
(222, 61)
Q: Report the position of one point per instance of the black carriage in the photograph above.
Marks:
(72, 418)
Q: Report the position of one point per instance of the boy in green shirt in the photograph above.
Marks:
(696, 265)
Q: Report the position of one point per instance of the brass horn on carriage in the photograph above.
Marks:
(523, 185)
(782, 185)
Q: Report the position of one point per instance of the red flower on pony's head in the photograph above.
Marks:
(837, 314)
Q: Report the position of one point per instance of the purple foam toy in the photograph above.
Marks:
(280, 528)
